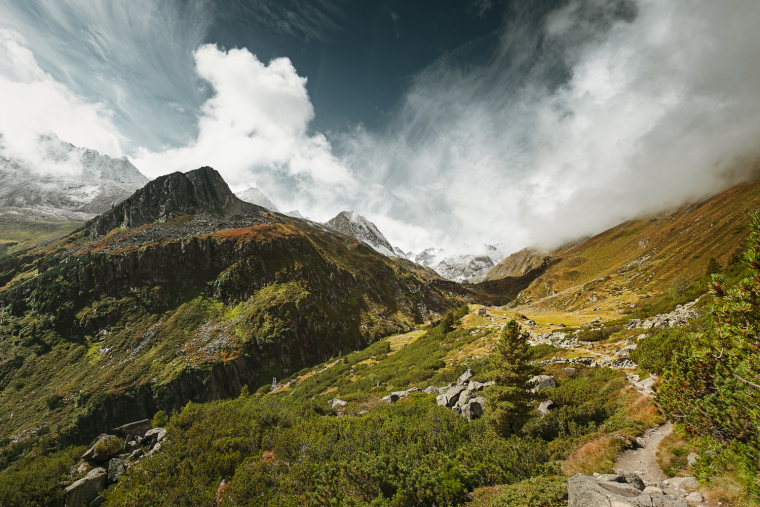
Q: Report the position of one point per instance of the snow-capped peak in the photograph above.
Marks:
(255, 196)
(355, 225)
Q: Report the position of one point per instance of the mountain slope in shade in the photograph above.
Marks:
(354, 225)
(255, 196)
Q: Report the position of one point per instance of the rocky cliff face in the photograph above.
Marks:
(201, 190)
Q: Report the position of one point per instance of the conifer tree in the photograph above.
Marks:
(510, 398)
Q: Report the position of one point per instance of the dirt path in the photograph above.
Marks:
(643, 460)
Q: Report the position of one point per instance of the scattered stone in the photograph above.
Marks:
(482, 312)
(475, 408)
(153, 436)
(464, 398)
(588, 491)
(466, 376)
(136, 454)
(116, 469)
(133, 428)
(103, 448)
(694, 498)
(432, 390)
(570, 371)
(541, 382)
(626, 351)
(692, 458)
(653, 491)
(450, 397)
(86, 489)
(682, 483)
(544, 407)
(635, 481)
(678, 317)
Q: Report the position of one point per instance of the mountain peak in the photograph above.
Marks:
(353, 224)
(168, 196)
(255, 196)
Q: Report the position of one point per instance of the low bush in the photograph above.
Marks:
(535, 492)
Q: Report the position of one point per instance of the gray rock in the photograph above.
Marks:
(541, 382)
(133, 428)
(86, 489)
(450, 397)
(692, 458)
(103, 448)
(682, 483)
(570, 371)
(474, 385)
(610, 477)
(466, 376)
(464, 398)
(635, 481)
(154, 435)
(694, 498)
(335, 404)
(626, 351)
(587, 491)
(432, 390)
(489, 383)
(473, 409)
(99, 500)
(544, 407)
(116, 469)
(653, 491)
(136, 454)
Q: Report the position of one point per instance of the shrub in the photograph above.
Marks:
(36, 480)
(535, 492)
(160, 419)
(655, 353)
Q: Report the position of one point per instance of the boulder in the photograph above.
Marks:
(544, 406)
(635, 481)
(474, 385)
(692, 458)
(86, 489)
(154, 436)
(99, 500)
(450, 397)
(103, 448)
(432, 390)
(626, 351)
(541, 382)
(466, 376)
(335, 404)
(464, 398)
(133, 428)
(653, 491)
(570, 371)
(116, 469)
(474, 408)
(136, 454)
(587, 491)
(694, 498)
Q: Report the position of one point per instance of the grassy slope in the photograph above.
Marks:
(16, 235)
(619, 270)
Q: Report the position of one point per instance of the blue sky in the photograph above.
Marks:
(447, 123)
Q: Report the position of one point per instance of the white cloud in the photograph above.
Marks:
(32, 104)
(600, 112)
(255, 127)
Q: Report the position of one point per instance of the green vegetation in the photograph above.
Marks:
(510, 398)
(711, 379)
(535, 492)
(36, 479)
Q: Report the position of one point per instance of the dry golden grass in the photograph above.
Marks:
(596, 455)
(399, 341)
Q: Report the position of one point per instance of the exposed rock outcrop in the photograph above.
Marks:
(616, 490)
(83, 491)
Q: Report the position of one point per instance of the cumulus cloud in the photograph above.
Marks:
(34, 104)
(254, 128)
(586, 115)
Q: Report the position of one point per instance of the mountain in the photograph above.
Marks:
(639, 262)
(519, 263)
(76, 183)
(354, 225)
(183, 292)
(463, 268)
(255, 196)
(68, 185)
